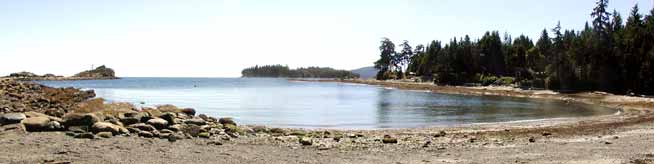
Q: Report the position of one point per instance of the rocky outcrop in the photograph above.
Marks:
(16, 96)
(101, 72)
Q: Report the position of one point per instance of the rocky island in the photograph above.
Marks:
(99, 73)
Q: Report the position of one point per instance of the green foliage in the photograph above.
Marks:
(284, 71)
(607, 55)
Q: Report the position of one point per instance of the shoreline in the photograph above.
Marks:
(635, 109)
(554, 140)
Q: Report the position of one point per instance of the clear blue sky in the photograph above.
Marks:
(214, 38)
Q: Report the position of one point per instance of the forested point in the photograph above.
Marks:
(607, 55)
(309, 72)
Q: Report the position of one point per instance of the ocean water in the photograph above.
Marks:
(282, 103)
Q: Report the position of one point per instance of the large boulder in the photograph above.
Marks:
(195, 121)
(12, 118)
(80, 119)
(143, 127)
(108, 127)
(36, 124)
(158, 123)
(226, 121)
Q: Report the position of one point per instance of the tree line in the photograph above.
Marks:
(285, 71)
(609, 54)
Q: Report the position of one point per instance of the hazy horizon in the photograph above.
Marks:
(219, 38)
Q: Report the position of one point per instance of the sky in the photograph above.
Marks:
(218, 38)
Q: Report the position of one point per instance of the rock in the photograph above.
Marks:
(129, 120)
(305, 141)
(204, 135)
(158, 123)
(33, 124)
(80, 119)
(133, 130)
(195, 121)
(204, 117)
(143, 127)
(192, 130)
(440, 134)
(532, 139)
(12, 118)
(607, 142)
(232, 129)
(298, 133)
(427, 143)
(55, 125)
(176, 127)
(324, 147)
(170, 117)
(189, 111)
(260, 129)
(388, 139)
(214, 143)
(277, 130)
(546, 134)
(166, 131)
(20, 128)
(146, 134)
(108, 127)
(227, 121)
(85, 136)
(172, 138)
(105, 134)
(78, 129)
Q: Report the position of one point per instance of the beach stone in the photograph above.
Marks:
(204, 135)
(166, 131)
(176, 127)
(130, 120)
(170, 117)
(85, 136)
(107, 127)
(158, 123)
(214, 143)
(54, 125)
(192, 130)
(143, 127)
(12, 118)
(146, 134)
(80, 119)
(20, 128)
(305, 141)
(388, 139)
(440, 134)
(195, 121)
(189, 111)
(33, 124)
(133, 130)
(78, 129)
(227, 121)
(105, 134)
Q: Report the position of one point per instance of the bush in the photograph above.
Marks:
(505, 81)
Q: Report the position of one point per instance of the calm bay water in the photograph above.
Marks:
(281, 103)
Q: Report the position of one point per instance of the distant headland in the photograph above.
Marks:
(99, 73)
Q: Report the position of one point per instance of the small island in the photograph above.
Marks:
(285, 72)
(99, 73)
